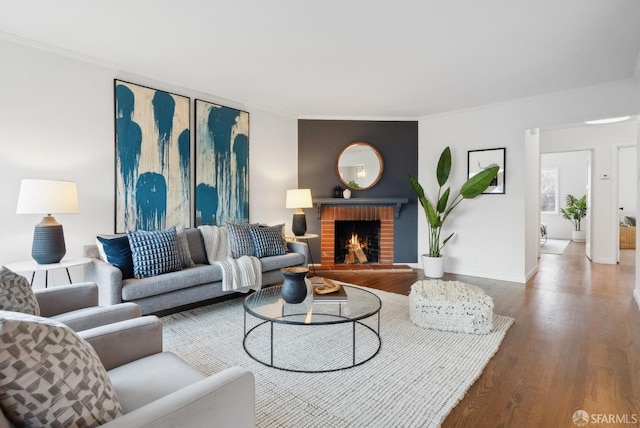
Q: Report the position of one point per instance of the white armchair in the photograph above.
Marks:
(76, 305)
(158, 389)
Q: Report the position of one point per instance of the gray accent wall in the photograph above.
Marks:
(319, 144)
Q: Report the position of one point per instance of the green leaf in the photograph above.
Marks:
(418, 190)
(444, 166)
(416, 187)
(447, 240)
(576, 209)
(431, 214)
(479, 182)
(442, 203)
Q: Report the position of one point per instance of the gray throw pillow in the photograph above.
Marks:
(50, 376)
(183, 247)
(269, 240)
(16, 293)
(240, 241)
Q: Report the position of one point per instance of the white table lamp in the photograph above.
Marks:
(48, 197)
(298, 199)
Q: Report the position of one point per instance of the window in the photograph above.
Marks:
(549, 191)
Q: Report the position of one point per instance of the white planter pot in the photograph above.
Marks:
(433, 266)
(579, 235)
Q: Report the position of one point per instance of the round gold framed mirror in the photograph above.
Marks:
(359, 166)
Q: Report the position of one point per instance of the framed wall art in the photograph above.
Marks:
(222, 164)
(152, 157)
(478, 160)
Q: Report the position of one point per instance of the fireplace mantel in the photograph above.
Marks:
(396, 202)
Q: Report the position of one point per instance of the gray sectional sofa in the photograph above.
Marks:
(174, 289)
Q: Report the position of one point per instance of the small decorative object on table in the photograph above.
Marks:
(328, 292)
(294, 287)
(326, 287)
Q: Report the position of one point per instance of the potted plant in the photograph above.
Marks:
(575, 211)
(438, 210)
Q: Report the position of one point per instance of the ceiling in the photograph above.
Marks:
(346, 58)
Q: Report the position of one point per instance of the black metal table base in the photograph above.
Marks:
(46, 277)
(376, 332)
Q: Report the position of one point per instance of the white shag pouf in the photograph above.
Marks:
(450, 306)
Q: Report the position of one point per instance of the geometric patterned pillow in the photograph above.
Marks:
(240, 241)
(269, 240)
(16, 294)
(51, 377)
(154, 252)
(183, 247)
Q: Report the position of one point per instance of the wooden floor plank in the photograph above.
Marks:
(575, 343)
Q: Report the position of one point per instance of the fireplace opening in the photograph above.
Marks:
(357, 242)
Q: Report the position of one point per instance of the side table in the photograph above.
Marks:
(305, 238)
(33, 266)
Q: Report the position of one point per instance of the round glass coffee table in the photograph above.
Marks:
(312, 336)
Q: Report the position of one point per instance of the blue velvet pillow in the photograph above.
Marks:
(118, 253)
(155, 252)
(268, 240)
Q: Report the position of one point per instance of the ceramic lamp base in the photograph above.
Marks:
(48, 242)
(299, 225)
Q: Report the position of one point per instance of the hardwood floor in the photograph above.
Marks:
(575, 344)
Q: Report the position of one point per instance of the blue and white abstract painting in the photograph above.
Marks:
(222, 164)
(153, 158)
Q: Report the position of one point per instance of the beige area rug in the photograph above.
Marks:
(554, 246)
(415, 380)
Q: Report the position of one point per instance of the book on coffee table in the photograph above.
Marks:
(337, 296)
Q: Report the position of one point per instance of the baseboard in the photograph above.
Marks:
(605, 261)
(532, 272)
(488, 275)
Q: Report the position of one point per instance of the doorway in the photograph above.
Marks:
(601, 140)
(564, 174)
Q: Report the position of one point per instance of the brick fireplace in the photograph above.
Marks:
(330, 214)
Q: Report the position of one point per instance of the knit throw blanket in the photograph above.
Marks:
(239, 274)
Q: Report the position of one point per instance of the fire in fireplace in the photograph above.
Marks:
(357, 242)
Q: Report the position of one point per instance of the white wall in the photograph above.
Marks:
(493, 236)
(532, 205)
(572, 180)
(56, 122)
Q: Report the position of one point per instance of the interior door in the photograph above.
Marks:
(587, 219)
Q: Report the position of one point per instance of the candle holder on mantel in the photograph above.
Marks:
(294, 287)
